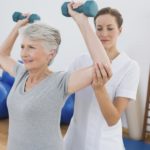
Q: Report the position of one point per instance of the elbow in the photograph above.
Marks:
(113, 121)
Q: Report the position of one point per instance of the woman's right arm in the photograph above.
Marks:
(6, 62)
(83, 77)
(94, 45)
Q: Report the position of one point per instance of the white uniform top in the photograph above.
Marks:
(88, 129)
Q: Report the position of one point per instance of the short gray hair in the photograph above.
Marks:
(48, 35)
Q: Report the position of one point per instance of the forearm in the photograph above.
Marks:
(94, 45)
(6, 47)
(80, 79)
(107, 108)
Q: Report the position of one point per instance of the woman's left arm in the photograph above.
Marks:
(111, 109)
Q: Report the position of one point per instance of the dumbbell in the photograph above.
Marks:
(89, 8)
(18, 16)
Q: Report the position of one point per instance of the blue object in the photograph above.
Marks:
(18, 16)
(4, 90)
(89, 8)
(135, 144)
(7, 78)
(67, 110)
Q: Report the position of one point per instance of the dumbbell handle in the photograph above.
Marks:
(21, 17)
(89, 8)
(18, 16)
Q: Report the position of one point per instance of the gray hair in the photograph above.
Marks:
(49, 36)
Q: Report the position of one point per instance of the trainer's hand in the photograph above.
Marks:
(101, 75)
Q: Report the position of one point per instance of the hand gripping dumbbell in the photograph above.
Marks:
(18, 16)
(89, 8)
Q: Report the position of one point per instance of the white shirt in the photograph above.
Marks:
(88, 129)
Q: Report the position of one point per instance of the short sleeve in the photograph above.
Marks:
(82, 61)
(18, 68)
(129, 84)
(74, 65)
(63, 84)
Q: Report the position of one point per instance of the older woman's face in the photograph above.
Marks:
(107, 30)
(33, 54)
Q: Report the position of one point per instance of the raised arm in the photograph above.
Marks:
(94, 45)
(6, 62)
(82, 78)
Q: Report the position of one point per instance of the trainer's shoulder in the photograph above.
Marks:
(132, 63)
(84, 59)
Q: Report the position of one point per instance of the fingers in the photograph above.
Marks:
(73, 5)
(98, 72)
(77, 4)
(95, 79)
(26, 14)
(101, 74)
(95, 82)
(105, 71)
(23, 22)
(70, 8)
(108, 71)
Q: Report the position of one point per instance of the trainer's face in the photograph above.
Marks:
(107, 30)
(33, 54)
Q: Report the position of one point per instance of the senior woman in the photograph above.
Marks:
(38, 94)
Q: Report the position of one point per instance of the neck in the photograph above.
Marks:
(112, 53)
(36, 75)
